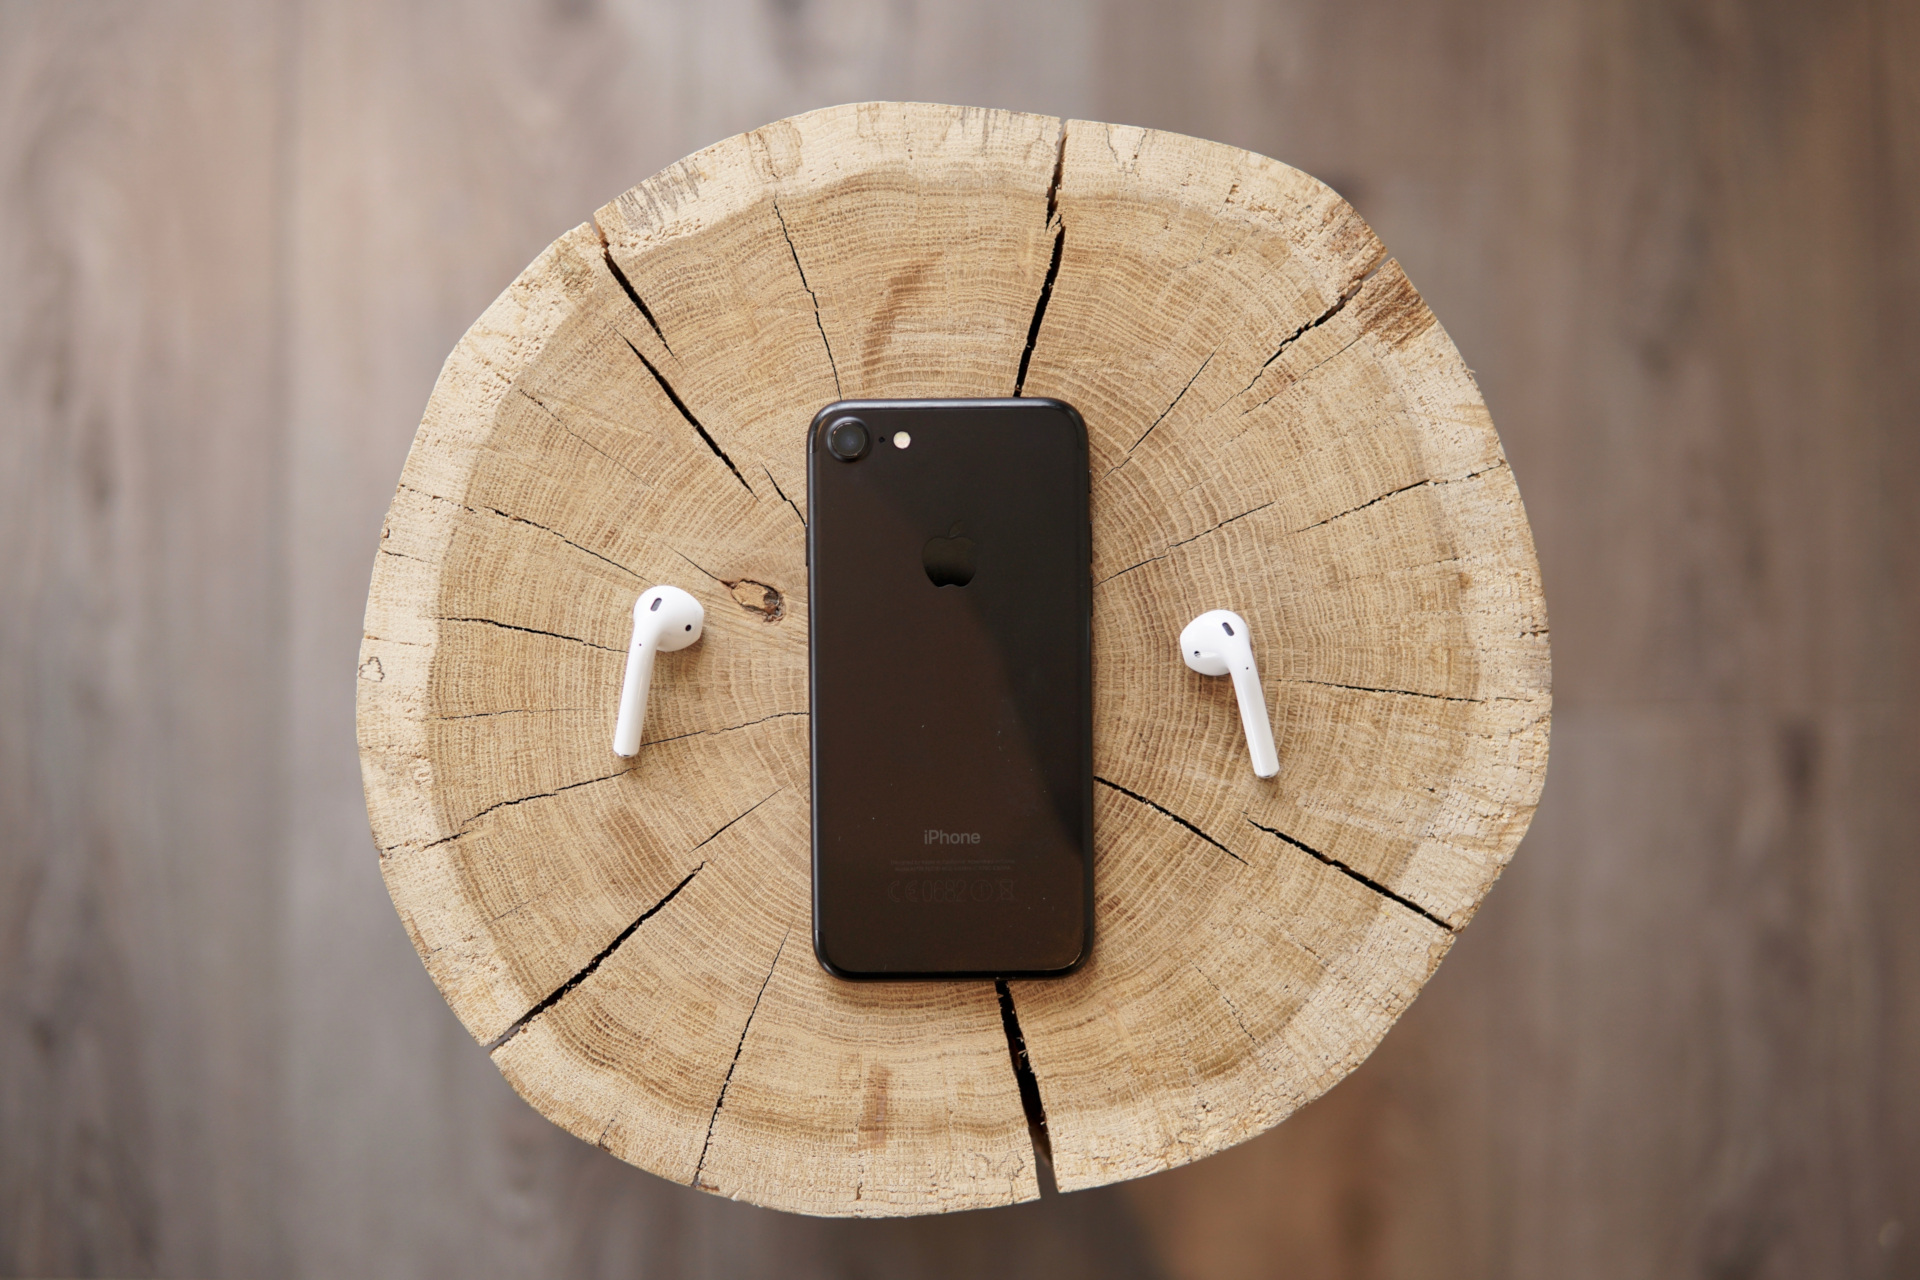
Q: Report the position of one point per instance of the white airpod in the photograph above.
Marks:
(1216, 644)
(664, 619)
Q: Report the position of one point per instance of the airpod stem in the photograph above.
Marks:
(633, 694)
(1253, 718)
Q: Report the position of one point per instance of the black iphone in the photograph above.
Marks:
(949, 600)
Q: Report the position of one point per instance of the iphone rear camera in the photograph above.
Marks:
(848, 439)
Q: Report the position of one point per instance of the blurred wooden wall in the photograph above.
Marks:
(1680, 243)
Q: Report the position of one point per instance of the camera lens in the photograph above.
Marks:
(848, 439)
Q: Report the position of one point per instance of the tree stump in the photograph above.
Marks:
(1278, 426)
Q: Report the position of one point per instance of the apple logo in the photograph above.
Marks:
(949, 560)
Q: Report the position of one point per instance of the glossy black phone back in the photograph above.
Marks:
(952, 693)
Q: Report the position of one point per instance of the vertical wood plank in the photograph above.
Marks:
(141, 639)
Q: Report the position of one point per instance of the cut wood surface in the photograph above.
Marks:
(1278, 425)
